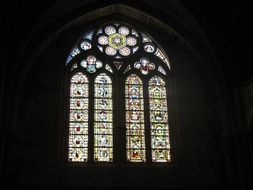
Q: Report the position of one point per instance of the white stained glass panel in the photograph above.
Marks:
(78, 118)
(109, 30)
(123, 31)
(103, 117)
(103, 40)
(131, 41)
(125, 51)
(110, 51)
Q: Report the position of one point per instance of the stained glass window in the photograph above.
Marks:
(160, 144)
(78, 119)
(103, 125)
(161, 70)
(134, 119)
(144, 65)
(117, 40)
(91, 64)
(135, 60)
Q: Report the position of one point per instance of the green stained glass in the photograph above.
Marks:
(103, 131)
(160, 145)
(117, 41)
(78, 119)
(134, 119)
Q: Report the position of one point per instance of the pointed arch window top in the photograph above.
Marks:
(105, 60)
(117, 41)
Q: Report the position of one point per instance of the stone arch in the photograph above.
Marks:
(192, 79)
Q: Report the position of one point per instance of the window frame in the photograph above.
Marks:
(118, 78)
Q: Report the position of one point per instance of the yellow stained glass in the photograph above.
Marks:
(160, 145)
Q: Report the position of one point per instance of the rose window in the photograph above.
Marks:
(117, 40)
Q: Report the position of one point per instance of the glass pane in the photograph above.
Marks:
(78, 103)
(160, 145)
(103, 103)
(108, 68)
(103, 128)
(79, 90)
(117, 41)
(78, 128)
(103, 131)
(78, 141)
(78, 119)
(134, 119)
(78, 154)
(102, 154)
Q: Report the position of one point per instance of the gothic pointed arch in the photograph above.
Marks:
(122, 51)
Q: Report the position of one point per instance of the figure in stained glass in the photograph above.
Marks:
(117, 49)
(78, 119)
(135, 119)
(159, 120)
(103, 118)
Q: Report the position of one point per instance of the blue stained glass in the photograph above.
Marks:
(89, 35)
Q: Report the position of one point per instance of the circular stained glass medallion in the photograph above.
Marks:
(117, 40)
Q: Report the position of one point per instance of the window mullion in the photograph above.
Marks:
(91, 121)
(120, 134)
(147, 122)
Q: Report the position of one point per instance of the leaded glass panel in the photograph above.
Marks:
(160, 145)
(120, 44)
(78, 119)
(103, 120)
(134, 119)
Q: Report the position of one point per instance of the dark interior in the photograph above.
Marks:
(211, 93)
